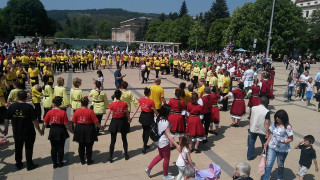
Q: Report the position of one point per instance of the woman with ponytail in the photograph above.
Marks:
(84, 122)
(175, 118)
(99, 101)
(146, 118)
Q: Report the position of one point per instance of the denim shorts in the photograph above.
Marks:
(308, 95)
(302, 171)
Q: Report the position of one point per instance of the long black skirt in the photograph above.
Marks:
(146, 118)
(119, 125)
(85, 133)
(58, 132)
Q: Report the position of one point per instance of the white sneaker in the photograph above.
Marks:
(302, 100)
(168, 177)
(147, 171)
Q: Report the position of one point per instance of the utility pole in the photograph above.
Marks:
(270, 31)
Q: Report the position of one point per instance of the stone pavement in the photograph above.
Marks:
(226, 149)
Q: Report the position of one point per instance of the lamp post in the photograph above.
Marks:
(270, 31)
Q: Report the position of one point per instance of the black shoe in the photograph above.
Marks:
(172, 148)
(192, 150)
(89, 162)
(144, 151)
(251, 158)
(60, 164)
(32, 166)
(83, 162)
(147, 147)
(204, 141)
(197, 151)
(110, 160)
(216, 133)
(126, 157)
(55, 165)
(211, 132)
(19, 165)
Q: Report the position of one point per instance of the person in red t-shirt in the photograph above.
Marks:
(84, 122)
(120, 122)
(58, 131)
(146, 118)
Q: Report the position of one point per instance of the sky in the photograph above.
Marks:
(146, 6)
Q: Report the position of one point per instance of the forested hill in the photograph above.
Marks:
(113, 15)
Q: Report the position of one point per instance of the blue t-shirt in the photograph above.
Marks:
(279, 136)
(117, 74)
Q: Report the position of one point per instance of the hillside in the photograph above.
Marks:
(115, 16)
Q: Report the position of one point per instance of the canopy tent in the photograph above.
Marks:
(240, 50)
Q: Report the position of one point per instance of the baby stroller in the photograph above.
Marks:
(213, 173)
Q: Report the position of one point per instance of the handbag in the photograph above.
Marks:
(186, 162)
(286, 94)
(262, 162)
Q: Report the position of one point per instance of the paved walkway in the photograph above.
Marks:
(226, 149)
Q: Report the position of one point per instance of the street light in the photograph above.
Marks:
(270, 31)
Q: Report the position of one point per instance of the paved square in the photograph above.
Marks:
(226, 149)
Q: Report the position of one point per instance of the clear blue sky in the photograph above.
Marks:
(147, 6)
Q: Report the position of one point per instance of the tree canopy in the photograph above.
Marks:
(28, 17)
(219, 9)
(183, 9)
(252, 21)
(215, 36)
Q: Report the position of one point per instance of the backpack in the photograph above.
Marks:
(154, 135)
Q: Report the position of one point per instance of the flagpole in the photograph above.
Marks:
(270, 30)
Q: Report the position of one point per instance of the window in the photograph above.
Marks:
(307, 13)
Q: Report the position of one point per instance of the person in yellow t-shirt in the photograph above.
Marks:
(225, 89)
(195, 74)
(90, 61)
(25, 61)
(3, 103)
(125, 61)
(36, 93)
(110, 61)
(41, 61)
(13, 96)
(21, 75)
(49, 73)
(33, 75)
(175, 67)
(157, 94)
(10, 77)
(104, 61)
(148, 65)
(163, 65)
(185, 96)
(54, 62)
(137, 63)
(188, 70)
(201, 86)
(157, 65)
(47, 96)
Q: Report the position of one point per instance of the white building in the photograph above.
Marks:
(127, 30)
(308, 6)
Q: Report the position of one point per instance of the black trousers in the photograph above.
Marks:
(84, 67)
(163, 68)
(302, 90)
(57, 151)
(181, 74)
(148, 72)
(125, 64)
(37, 108)
(118, 63)
(224, 102)
(54, 67)
(28, 145)
(318, 87)
(90, 63)
(85, 148)
(142, 76)
(99, 117)
(206, 122)
(157, 73)
(3, 111)
(113, 142)
(145, 135)
(175, 72)
(195, 81)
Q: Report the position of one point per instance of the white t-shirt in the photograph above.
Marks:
(101, 79)
(304, 79)
(163, 141)
(309, 87)
(180, 161)
(143, 67)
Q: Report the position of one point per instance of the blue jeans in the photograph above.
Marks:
(251, 143)
(290, 92)
(271, 157)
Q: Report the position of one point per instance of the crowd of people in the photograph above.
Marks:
(190, 116)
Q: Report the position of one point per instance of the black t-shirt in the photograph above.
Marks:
(306, 156)
(22, 115)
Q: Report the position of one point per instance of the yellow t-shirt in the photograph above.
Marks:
(213, 81)
(157, 93)
(34, 73)
(14, 95)
(201, 91)
(35, 94)
(196, 71)
(226, 83)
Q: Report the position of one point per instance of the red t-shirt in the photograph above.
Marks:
(84, 116)
(118, 109)
(56, 116)
(146, 104)
(173, 103)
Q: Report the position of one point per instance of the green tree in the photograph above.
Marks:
(219, 9)
(180, 30)
(252, 22)
(197, 38)
(314, 32)
(183, 9)
(27, 17)
(4, 29)
(85, 26)
(215, 36)
(173, 16)
(163, 31)
(152, 30)
(162, 17)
